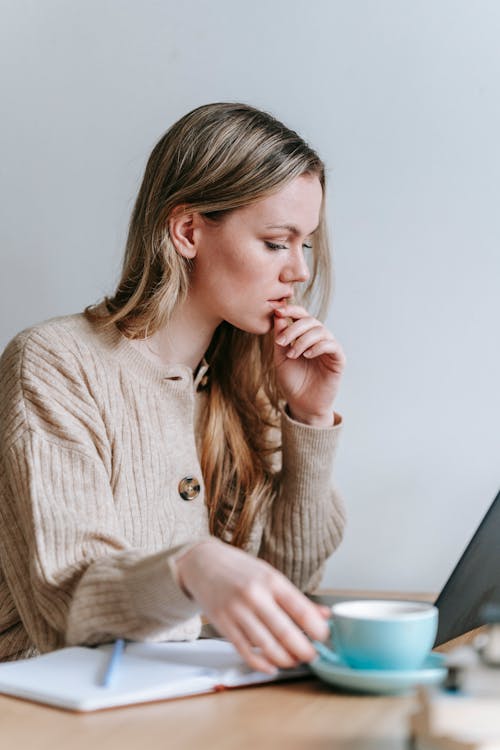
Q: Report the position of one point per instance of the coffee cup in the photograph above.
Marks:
(383, 634)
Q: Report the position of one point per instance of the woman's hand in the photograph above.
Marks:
(309, 364)
(252, 604)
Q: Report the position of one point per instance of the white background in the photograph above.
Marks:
(401, 98)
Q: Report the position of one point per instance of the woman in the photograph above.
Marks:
(168, 452)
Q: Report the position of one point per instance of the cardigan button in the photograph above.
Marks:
(189, 488)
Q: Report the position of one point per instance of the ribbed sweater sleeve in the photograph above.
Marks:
(73, 573)
(306, 518)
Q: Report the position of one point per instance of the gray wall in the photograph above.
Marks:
(402, 100)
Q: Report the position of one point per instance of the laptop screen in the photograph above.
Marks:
(474, 582)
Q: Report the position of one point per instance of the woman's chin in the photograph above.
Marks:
(257, 327)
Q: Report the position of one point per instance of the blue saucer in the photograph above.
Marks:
(381, 681)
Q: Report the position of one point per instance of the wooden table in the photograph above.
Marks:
(305, 715)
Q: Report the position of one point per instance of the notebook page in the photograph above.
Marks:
(209, 653)
(70, 678)
(220, 656)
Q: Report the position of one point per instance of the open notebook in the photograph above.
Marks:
(70, 677)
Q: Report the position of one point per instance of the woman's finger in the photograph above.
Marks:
(292, 311)
(307, 340)
(280, 325)
(324, 610)
(230, 630)
(302, 611)
(327, 347)
(285, 631)
(298, 328)
(257, 627)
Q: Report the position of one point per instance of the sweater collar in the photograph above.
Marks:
(146, 368)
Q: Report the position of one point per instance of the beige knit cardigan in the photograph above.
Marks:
(94, 441)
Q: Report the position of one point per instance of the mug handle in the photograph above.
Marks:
(326, 653)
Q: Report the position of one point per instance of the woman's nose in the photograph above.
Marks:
(296, 269)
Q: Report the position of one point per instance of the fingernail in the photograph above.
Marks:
(310, 655)
(281, 340)
(323, 631)
(325, 611)
(291, 353)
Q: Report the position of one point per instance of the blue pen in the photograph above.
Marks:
(114, 658)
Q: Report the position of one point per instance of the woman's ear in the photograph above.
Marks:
(181, 229)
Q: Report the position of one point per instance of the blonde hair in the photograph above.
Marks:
(215, 159)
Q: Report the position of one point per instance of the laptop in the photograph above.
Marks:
(473, 584)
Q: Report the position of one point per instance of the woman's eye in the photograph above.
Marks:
(275, 246)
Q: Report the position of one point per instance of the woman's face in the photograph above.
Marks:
(251, 259)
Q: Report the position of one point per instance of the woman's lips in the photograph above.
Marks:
(278, 302)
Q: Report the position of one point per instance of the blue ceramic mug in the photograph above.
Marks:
(383, 634)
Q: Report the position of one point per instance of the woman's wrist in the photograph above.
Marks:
(182, 562)
(180, 559)
(313, 420)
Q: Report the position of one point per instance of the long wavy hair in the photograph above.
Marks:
(215, 159)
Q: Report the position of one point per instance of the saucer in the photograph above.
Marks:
(381, 681)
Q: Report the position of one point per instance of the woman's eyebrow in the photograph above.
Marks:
(290, 227)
